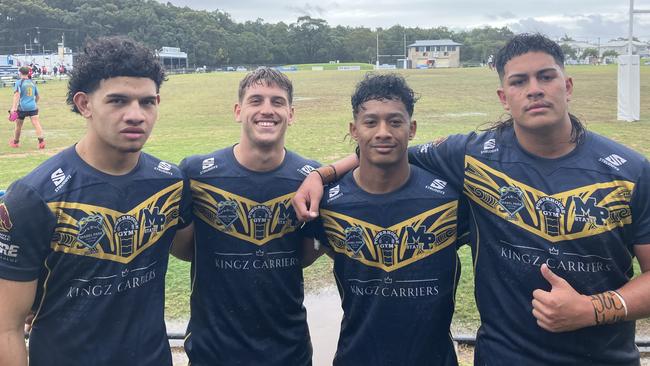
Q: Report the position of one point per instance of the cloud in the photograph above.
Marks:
(314, 11)
(506, 15)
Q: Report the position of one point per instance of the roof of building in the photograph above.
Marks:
(435, 42)
(171, 52)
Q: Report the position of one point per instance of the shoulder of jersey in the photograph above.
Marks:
(298, 166)
(612, 156)
(158, 167)
(205, 164)
(52, 175)
(487, 143)
(428, 184)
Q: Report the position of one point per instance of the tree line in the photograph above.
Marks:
(213, 38)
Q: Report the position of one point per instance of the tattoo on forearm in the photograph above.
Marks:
(608, 308)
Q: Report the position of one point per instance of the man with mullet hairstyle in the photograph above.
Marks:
(558, 214)
(87, 234)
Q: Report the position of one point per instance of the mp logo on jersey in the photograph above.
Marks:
(511, 200)
(613, 161)
(589, 212)
(91, 230)
(5, 220)
(154, 221)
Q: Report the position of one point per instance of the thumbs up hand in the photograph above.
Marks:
(562, 308)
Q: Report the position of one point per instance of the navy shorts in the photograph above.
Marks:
(23, 114)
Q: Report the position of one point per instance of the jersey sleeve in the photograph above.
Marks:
(641, 208)
(185, 207)
(319, 232)
(26, 228)
(17, 86)
(462, 223)
(445, 157)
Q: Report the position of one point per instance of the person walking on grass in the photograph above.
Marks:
(25, 98)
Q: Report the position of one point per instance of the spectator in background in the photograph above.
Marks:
(25, 98)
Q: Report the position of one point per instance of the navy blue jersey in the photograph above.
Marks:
(396, 269)
(247, 290)
(581, 214)
(98, 245)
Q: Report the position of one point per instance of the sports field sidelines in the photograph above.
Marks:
(196, 117)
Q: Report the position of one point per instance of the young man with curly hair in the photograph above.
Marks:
(85, 237)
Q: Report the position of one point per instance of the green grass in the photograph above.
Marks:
(328, 66)
(196, 117)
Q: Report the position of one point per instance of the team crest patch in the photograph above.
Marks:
(91, 230)
(5, 220)
(511, 200)
(354, 239)
(227, 212)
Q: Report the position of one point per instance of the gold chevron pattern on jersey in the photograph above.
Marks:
(393, 247)
(243, 218)
(107, 234)
(573, 218)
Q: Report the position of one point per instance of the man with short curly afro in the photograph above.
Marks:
(85, 237)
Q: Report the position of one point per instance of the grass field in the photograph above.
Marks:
(196, 117)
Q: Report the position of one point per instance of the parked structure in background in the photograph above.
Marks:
(427, 54)
(172, 58)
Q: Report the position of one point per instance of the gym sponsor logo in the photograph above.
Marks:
(550, 207)
(126, 232)
(511, 200)
(208, 165)
(164, 167)
(334, 193)
(554, 258)
(438, 186)
(613, 161)
(306, 170)
(256, 261)
(393, 288)
(489, 147)
(59, 178)
(101, 286)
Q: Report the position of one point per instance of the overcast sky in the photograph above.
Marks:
(581, 19)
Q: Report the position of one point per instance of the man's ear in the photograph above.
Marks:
(237, 111)
(353, 131)
(291, 114)
(81, 100)
(412, 128)
(502, 99)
